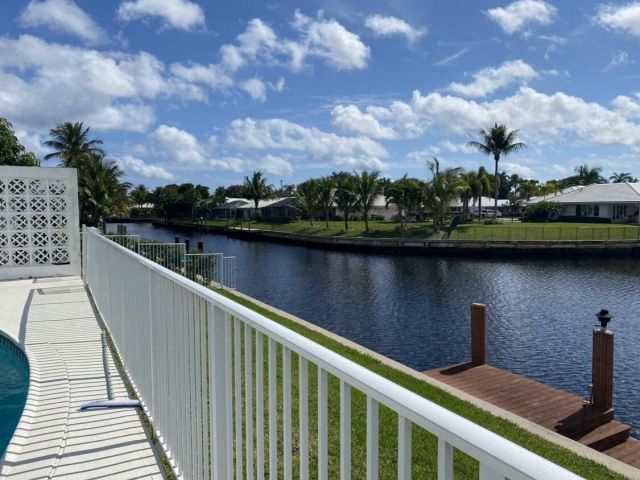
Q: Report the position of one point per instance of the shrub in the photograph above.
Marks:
(542, 212)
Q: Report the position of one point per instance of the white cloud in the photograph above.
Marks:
(47, 83)
(329, 40)
(231, 164)
(620, 17)
(451, 58)
(275, 166)
(211, 75)
(178, 14)
(398, 120)
(350, 119)
(258, 41)
(177, 144)
(517, 15)
(545, 118)
(63, 16)
(519, 169)
(627, 106)
(620, 58)
(137, 165)
(256, 88)
(279, 134)
(388, 26)
(488, 80)
(32, 142)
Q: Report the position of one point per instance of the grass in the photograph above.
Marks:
(424, 230)
(424, 452)
(546, 231)
(378, 229)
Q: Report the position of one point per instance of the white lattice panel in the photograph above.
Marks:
(39, 229)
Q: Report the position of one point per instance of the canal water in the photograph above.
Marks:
(416, 309)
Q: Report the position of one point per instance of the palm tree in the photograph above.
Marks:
(140, 195)
(481, 187)
(257, 189)
(101, 192)
(326, 188)
(406, 194)
(622, 177)
(70, 142)
(367, 188)
(586, 175)
(345, 194)
(307, 195)
(441, 190)
(497, 141)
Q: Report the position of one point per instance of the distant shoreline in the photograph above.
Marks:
(492, 249)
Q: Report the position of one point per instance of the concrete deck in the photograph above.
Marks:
(53, 321)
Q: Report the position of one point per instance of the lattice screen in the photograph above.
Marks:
(38, 222)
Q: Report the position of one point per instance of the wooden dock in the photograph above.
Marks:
(546, 406)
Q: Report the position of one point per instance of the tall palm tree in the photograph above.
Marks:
(497, 141)
(622, 177)
(367, 188)
(257, 189)
(326, 189)
(307, 195)
(346, 197)
(101, 192)
(70, 142)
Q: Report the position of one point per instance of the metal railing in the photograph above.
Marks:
(512, 232)
(218, 382)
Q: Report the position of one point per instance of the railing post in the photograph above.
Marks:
(220, 408)
(478, 333)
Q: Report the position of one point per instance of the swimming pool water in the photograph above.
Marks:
(14, 385)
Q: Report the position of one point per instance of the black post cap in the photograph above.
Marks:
(604, 317)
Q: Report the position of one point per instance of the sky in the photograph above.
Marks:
(208, 92)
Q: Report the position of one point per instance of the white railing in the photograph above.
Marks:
(218, 381)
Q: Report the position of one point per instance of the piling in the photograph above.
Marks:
(478, 333)
(602, 365)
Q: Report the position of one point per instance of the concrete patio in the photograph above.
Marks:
(53, 320)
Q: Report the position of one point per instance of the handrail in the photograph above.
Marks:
(498, 457)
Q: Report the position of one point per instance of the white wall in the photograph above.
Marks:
(39, 222)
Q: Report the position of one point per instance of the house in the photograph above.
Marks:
(614, 202)
(379, 209)
(455, 207)
(245, 209)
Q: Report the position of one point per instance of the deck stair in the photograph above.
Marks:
(547, 406)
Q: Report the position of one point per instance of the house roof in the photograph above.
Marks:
(262, 203)
(598, 193)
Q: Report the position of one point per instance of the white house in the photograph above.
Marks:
(244, 209)
(618, 202)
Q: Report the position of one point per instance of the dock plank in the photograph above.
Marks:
(544, 405)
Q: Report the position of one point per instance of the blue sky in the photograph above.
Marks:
(209, 91)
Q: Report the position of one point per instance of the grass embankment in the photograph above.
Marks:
(424, 453)
(546, 231)
(505, 231)
(336, 229)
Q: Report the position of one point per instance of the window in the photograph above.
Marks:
(588, 210)
(619, 211)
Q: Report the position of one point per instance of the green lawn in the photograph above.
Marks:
(336, 228)
(424, 444)
(546, 231)
(424, 230)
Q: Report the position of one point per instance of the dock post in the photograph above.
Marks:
(201, 247)
(602, 368)
(478, 333)
(176, 240)
(187, 244)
